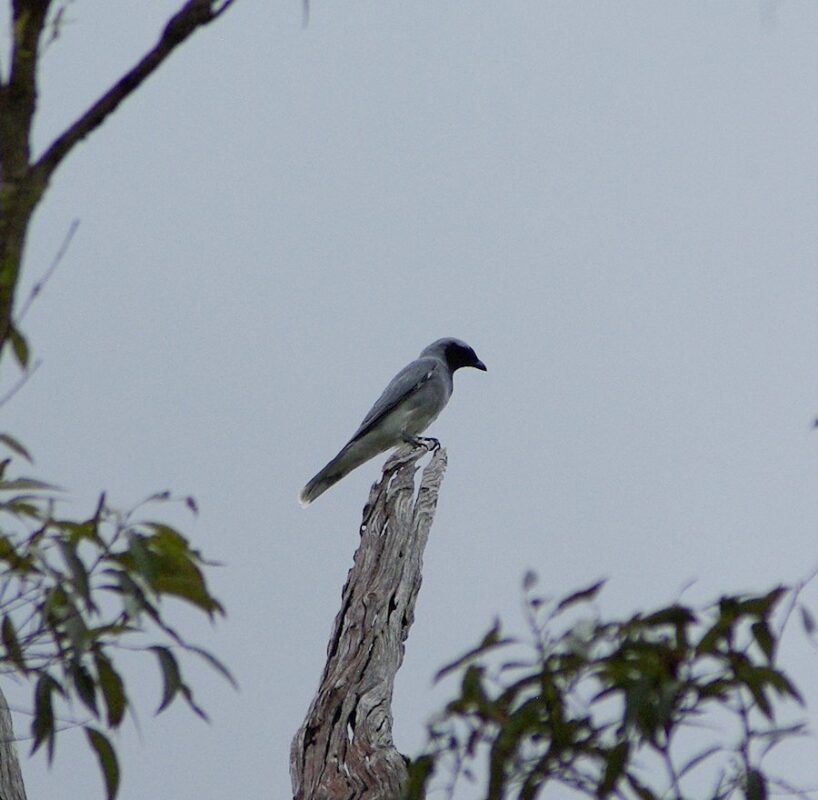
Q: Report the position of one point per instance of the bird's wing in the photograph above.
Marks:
(408, 381)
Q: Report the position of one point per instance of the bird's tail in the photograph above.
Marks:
(340, 466)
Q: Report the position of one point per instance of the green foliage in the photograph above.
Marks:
(20, 346)
(606, 708)
(73, 593)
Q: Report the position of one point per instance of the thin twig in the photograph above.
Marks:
(56, 25)
(193, 14)
(40, 285)
(24, 378)
(794, 594)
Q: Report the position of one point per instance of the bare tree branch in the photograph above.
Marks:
(193, 15)
(22, 183)
(344, 748)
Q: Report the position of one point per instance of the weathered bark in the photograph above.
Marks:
(344, 749)
(11, 779)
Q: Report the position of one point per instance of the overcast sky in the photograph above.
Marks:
(615, 204)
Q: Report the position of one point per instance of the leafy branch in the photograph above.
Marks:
(600, 706)
(74, 593)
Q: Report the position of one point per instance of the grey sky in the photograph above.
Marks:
(614, 203)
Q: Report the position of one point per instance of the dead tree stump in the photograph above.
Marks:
(11, 779)
(344, 749)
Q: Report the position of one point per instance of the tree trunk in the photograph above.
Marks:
(11, 779)
(22, 181)
(344, 749)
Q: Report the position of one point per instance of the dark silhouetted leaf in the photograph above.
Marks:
(42, 724)
(77, 570)
(781, 683)
(757, 690)
(581, 596)
(764, 638)
(19, 345)
(756, 788)
(157, 497)
(20, 563)
(113, 689)
(13, 650)
(171, 676)
(491, 641)
(13, 444)
(713, 637)
(672, 615)
(85, 686)
(761, 606)
(168, 564)
(188, 695)
(108, 763)
(28, 484)
(471, 689)
(215, 663)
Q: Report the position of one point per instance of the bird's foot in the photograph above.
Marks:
(423, 441)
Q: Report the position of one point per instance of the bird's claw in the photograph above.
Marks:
(428, 442)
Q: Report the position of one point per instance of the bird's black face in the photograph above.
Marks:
(459, 354)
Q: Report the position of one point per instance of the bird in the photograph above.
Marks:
(409, 404)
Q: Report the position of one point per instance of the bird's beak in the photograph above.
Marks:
(479, 365)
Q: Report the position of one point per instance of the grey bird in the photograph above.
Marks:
(409, 404)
